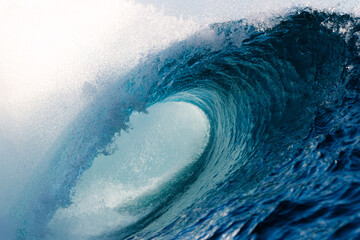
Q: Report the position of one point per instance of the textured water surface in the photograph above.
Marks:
(278, 155)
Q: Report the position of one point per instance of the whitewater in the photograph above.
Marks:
(179, 120)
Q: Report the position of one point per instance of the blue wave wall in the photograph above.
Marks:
(283, 157)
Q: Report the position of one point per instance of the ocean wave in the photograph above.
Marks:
(282, 156)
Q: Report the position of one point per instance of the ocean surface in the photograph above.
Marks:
(243, 129)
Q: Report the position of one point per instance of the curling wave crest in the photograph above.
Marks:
(275, 151)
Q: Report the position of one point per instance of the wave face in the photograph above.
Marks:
(282, 159)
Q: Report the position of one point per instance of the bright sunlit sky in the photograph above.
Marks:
(48, 49)
(45, 45)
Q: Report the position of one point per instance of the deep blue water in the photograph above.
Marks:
(283, 158)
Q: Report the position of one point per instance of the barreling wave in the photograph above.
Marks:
(282, 159)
